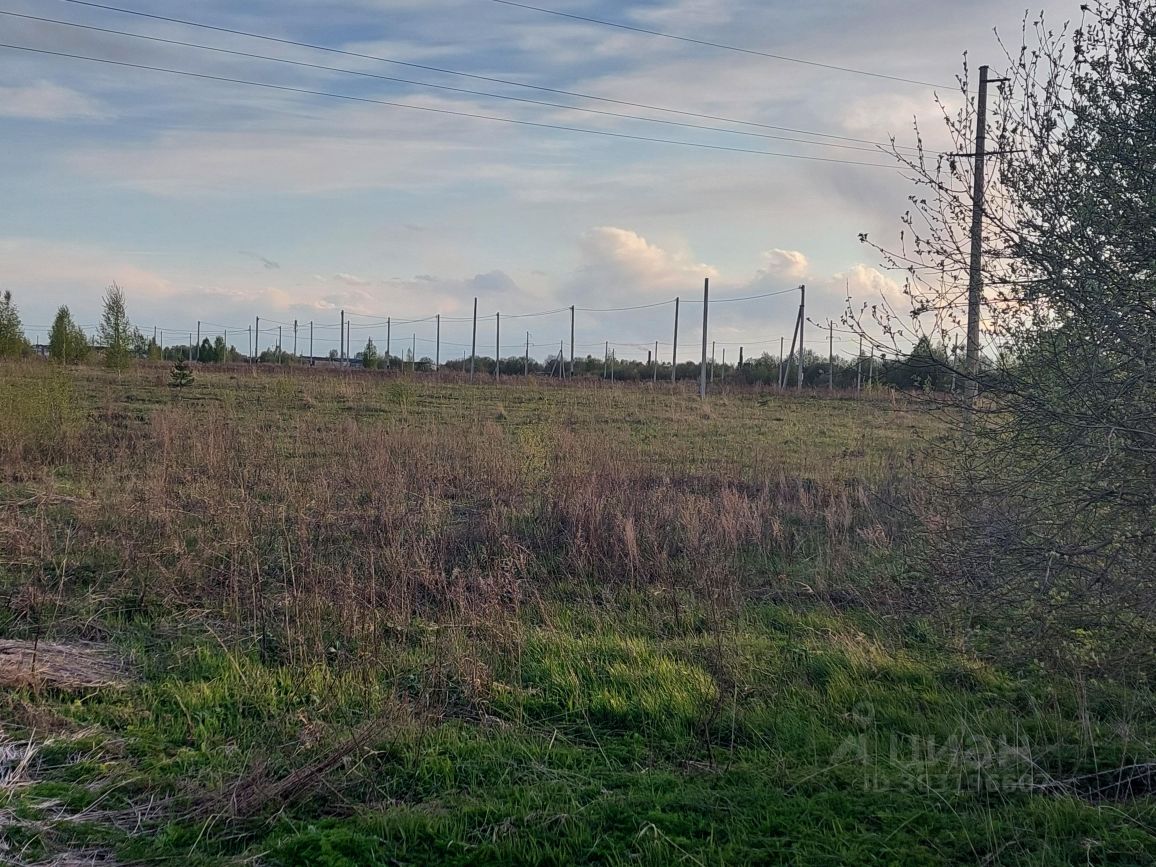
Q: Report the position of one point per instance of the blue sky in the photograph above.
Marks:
(219, 202)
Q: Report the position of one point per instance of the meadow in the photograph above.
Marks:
(299, 617)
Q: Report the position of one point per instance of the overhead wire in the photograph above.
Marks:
(720, 45)
(444, 71)
(441, 111)
(444, 87)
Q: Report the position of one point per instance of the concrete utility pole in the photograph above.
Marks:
(341, 341)
(438, 343)
(561, 360)
(311, 356)
(497, 346)
(198, 340)
(606, 359)
(294, 338)
(656, 362)
(975, 283)
(349, 343)
(252, 355)
(413, 355)
(674, 355)
(388, 323)
(571, 341)
(705, 312)
(256, 337)
(474, 341)
(526, 360)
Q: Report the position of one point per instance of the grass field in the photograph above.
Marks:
(347, 620)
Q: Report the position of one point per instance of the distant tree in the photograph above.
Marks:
(220, 350)
(115, 330)
(67, 342)
(370, 360)
(12, 341)
(140, 344)
(206, 352)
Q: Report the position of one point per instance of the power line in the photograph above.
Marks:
(444, 87)
(620, 309)
(442, 111)
(444, 71)
(725, 47)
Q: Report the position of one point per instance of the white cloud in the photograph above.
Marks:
(787, 264)
(619, 263)
(867, 285)
(44, 100)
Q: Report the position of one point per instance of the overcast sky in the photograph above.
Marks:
(217, 201)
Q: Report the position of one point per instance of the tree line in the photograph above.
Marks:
(925, 368)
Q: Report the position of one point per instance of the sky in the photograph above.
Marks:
(220, 202)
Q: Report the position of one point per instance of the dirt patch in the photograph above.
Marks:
(83, 665)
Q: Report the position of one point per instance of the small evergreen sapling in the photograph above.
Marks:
(181, 376)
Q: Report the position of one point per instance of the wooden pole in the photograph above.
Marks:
(831, 354)
(975, 281)
(859, 369)
(802, 329)
(791, 355)
(705, 310)
(474, 341)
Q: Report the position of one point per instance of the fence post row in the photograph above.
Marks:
(708, 364)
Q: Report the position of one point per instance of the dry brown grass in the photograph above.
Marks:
(77, 666)
(324, 512)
